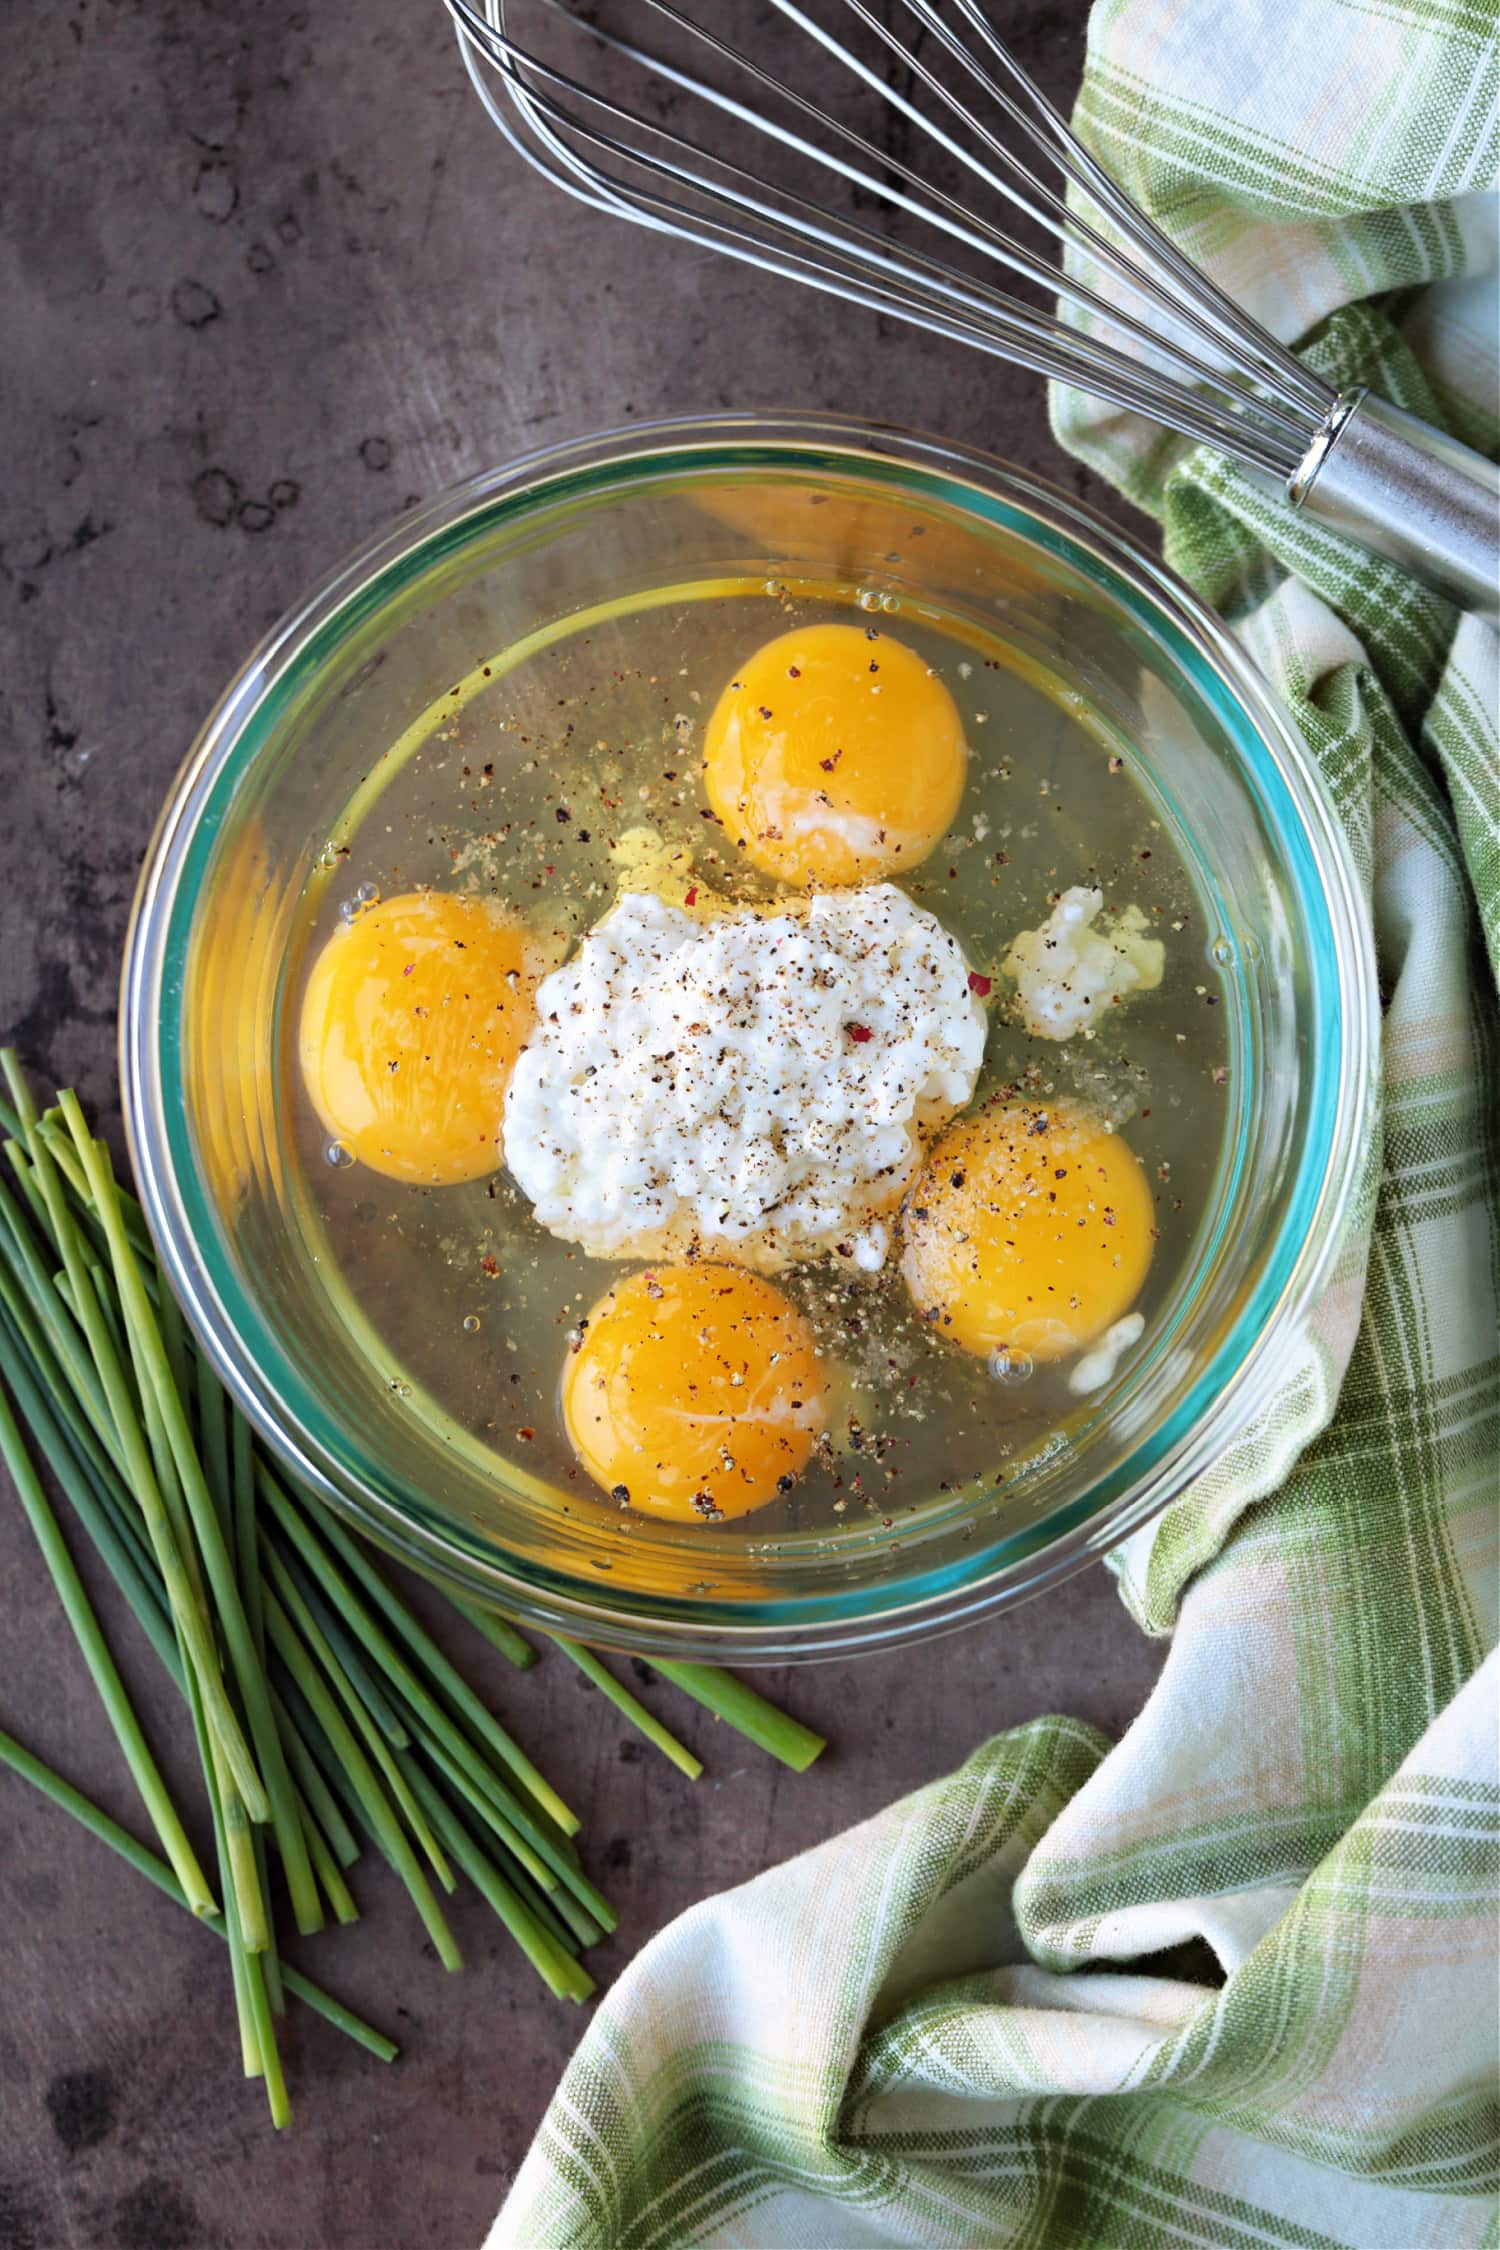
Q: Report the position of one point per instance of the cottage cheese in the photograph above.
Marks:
(751, 1085)
(1069, 973)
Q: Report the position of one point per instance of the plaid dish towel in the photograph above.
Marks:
(991, 2052)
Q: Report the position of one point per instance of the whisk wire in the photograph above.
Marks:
(1125, 314)
(1069, 228)
(1197, 303)
(939, 210)
(1247, 396)
(1277, 367)
(839, 261)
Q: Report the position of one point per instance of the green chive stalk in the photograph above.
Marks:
(151, 1363)
(345, 1689)
(630, 1707)
(322, 1709)
(375, 1805)
(164, 1816)
(455, 1689)
(499, 1632)
(98, 1823)
(193, 1625)
(748, 1713)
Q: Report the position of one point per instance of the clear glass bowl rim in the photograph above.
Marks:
(1246, 1369)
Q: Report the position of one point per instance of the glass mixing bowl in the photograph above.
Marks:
(293, 763)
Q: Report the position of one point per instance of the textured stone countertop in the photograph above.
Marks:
(268, 274)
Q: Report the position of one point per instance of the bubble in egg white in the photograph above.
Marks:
(1008, 1366)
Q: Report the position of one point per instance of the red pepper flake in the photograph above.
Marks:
(491, 1266)
(528, 1434)
(692, 897)
(978, 985)
(859, 1033)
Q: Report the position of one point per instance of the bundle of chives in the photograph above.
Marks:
(321, 1707)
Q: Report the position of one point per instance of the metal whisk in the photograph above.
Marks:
(942, 168)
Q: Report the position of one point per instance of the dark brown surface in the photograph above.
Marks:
(268, 275)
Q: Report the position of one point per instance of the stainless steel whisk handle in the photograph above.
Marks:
(1399, 486)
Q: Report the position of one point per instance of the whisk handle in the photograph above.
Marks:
(1399, 486)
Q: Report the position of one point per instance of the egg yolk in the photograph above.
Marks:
(1028, 1230)
(414, 1014)
(835, 756)
(696, 1392)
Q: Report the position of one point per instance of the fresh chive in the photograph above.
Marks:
(353, 1763)
(55, 1440)
(188, 1611)
(265, 2033)
(270, 1960)
(168, 1318)
(213, 1437)
(561, 1972)
(269, 1792)
(343, 2019)
(53, 1129)
(748, 1713)
(309, 1776)
(420, 1701)
(127, 1728)
(212, 1757)
(485, 1811)
(246, 1551)
(26, 1181)
(346, 1699)
(534, 1900)
(255, 1928)
(62, 1335)
(119, 1840)
(330, 1875)
(34, 1335)
(585, 1928)
(351, 1661)
(498, 1631)
(629, 1706)
(450, 1683)
(209, 1513)
(558, 1862)
(97, 1282)
(376, 1744)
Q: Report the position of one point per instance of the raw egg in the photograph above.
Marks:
(1028, 1230)
(835, 756)
(414, 1014)
(695, 1393)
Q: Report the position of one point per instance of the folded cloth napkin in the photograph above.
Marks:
(977, 2047)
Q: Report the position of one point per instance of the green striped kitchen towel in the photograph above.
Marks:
(982, 2045)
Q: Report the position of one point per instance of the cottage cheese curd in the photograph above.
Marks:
(1069, 972)
(755, 1084)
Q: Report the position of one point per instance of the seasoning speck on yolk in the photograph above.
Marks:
(695, 1393)
(412, 1020)
(1027, 1230)
(835, 756)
